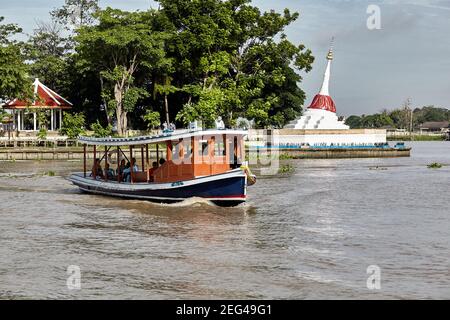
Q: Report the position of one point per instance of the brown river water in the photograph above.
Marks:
(309, 234)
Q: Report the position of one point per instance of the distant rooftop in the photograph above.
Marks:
(435, 125)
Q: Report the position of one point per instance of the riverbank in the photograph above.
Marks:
(58, 153)
(417, 138)
(74, 153)
(344, 153)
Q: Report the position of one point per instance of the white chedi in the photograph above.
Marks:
(321, 114)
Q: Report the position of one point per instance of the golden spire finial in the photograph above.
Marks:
(330, 52)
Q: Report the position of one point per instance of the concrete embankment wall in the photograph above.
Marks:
(18, 154)
(345, 153)
(63, 154)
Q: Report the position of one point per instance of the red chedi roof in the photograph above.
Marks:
(45, 98)
(323, 102)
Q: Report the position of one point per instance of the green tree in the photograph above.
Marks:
(399, 117)
(354, 122)
(100, 131)
(14, 81)
(76, 13)
(431, 113)
(377, 120)
(118, 47)
(152, 118)
(42, 134)
(42, 118)
(205, 109)
(280, 98)
(73, 125)
(48, 53)
(232, 60)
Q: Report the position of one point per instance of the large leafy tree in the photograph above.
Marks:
(377, 120)
(51, 58)
(121, 47)
(431, 113)
(354, 122)
(76, 13)
(49, 54)
(233, 60)
(14, 82)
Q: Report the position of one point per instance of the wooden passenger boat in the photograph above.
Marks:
(206, 164)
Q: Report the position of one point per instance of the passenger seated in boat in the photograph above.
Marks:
(120, 169)
(127, 171)
(162, 161)
(97, 169)
(126, 167)
(151, 171)
(109, 173)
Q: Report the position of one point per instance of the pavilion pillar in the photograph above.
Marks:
(14, 119)
(22, 120)
(34, 121)
(18, 120)
(52, 119)
(60, 118)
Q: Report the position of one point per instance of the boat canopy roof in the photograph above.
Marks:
(157, 138)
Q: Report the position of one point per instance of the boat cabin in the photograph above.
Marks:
(165, 158)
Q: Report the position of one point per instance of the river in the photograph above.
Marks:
(305, 235)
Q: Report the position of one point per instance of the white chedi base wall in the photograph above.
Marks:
(317, 119)
(351, 137)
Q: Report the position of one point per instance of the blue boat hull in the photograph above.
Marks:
(224, 189)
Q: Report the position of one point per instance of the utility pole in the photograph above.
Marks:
(411, 124)
(408, 113)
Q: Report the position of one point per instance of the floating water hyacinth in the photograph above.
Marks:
(286, 169)
(435, 165)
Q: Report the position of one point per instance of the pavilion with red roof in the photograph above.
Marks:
(45, 99)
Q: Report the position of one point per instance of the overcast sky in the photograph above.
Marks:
(409, 57)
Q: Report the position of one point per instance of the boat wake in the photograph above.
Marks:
(194, 201)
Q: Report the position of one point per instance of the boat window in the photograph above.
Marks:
(203, 147)
(187, 149)
(176, 148)
(219, 148)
